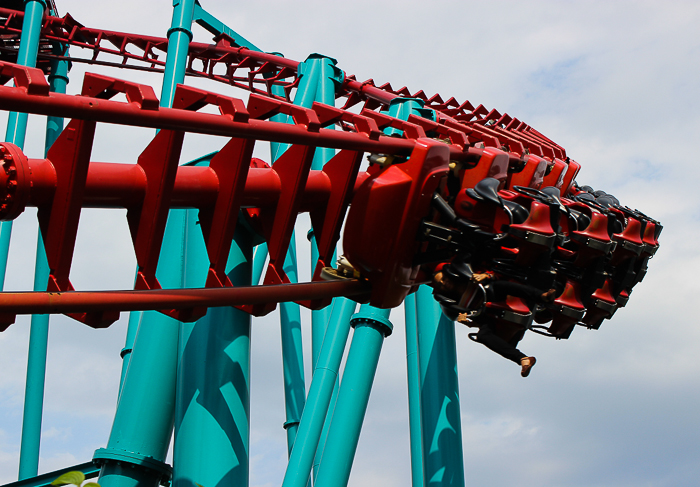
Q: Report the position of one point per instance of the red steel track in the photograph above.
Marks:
(67, 180)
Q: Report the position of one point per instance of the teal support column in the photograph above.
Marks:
(5, 234)
(39, 329)
(319, 317)
(347, 309)
(371, 327)
(443, 463)
(329, 78)
(131, 329)
(145, 415)
(290, 316)
(36, 377)
(413, 372)
(292, 355)
(179, 37)
(17, 122)
(316, 408)
(259, 257)
(212, 411)
(319, 80)
(143, 423)
(58, 83)
(26, 56)
(401, 108)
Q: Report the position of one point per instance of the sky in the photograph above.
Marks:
(615, 83)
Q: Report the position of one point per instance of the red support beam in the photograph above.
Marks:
(31, 302)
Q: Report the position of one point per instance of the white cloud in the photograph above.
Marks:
(614, 83)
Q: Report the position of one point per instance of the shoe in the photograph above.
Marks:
(330, 274)
(382, 160)
(346, 269)
(527, 363)
(549, 296)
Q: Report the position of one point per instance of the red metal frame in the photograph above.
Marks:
(107, 303)
(389, 204)
(136, 51)
(66, 180)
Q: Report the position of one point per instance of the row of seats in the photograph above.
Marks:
(583, 244)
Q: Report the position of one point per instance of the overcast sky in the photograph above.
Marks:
(615, 83)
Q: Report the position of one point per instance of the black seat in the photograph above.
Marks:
(581, 219)
(517, 212)
(487, 188)
(584, 197)
(606, 200)
(461, 269)
(552, 191)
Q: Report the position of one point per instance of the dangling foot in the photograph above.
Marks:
(549, 296)
(527, 363)
(344, 271)
(483, 277)
(331, 274)
(346, 268)
(383, 160)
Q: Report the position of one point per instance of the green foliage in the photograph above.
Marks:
(73, 478)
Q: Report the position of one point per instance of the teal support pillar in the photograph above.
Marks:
(212, 411)
(17, 122)
(401, 108)
(319, 80)
(371, 327)
(347, 309)
(443, 463)
(39, 329)
(26, 56)
(36, 375)
(329, 79)
(131, 329)
(259, 257)
(179, 37)
(319, 317)
(413, 373)
(322, 384)
(145, 415)
(292, 355)
(143, 423)
(290, 316)
(58, 83)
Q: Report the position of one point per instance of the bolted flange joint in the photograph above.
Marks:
(380, 323)
(156, 470)
(14, 181)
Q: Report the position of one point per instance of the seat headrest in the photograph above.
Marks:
(487, 188)
(552, 191)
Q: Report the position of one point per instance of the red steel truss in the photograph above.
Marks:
(257, 72)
